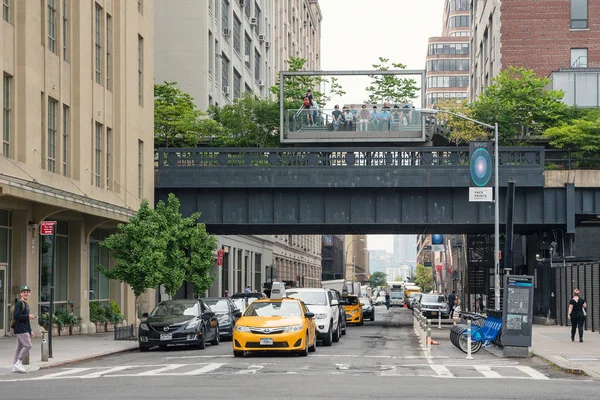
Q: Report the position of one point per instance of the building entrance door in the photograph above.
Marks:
(3, 293)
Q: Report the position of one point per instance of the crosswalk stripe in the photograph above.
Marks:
(388, 370)
(205, 369)
(98, 374)
(252, 369)
(160, 370)
(441, 370)
(486, 371)
(70, 371)
(532, 372)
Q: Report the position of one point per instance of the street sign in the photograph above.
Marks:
(220, 257)
(47, 228)
(481, 194)
(437, 247)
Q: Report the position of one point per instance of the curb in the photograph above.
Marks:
(569, 370)
(86, 358)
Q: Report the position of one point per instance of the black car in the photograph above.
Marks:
(227, 313)
(368, 308)
(188, 322)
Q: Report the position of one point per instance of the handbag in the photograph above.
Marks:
(584, 312)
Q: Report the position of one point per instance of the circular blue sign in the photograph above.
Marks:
(437, 239)
(481, 167)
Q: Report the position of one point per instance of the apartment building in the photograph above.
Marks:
(297, 33)
(448, 56)
(215, 49)
(77, 140)
(356, 258)
(563, 34)
(297, 259)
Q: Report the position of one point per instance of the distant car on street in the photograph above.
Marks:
(368, 308)
(433, 305)
(412, 298)
(227, 313)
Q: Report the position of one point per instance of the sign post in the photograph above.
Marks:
(48, 228)
(220, 254)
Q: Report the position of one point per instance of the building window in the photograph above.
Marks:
(433, 98)
(140, 70)
(448, 48)
(65, 140)
(6, 114)
(60, 280)
(256, 65)
(98, 154)
(247, 10)
(140, 168)
(448, 65)
(579, 58)
(225, 74)
(579, 14)
(52, 25)
(140, 6)
(247, 48)
(108, 51)
(447, 81)
(257, 15)
(459, 21)
(99, 289)
(65, 28)
(108, 157)
(237, 34)
(224, 14)
(98, 41)
(52, 104)
(6, 10)
(237, 83)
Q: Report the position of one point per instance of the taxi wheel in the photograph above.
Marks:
(313, 348)
(362, 322)
(238, 353)
(304, 353)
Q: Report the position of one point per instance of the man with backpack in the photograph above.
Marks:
(308, 105)
(22, 329)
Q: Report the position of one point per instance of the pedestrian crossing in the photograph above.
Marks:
(445, 371)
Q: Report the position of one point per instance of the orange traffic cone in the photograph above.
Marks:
(433, 341)
(405, 305)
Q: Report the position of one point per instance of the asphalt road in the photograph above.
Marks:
(381, 359)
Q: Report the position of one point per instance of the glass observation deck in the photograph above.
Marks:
(359, 125)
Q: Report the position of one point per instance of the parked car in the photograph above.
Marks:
(431, 305)
(325, 307)
(380, 299)
(353, 307)
(368, 308)
(227, 313)
(412, 298)
(187, 322)
(243, 300)
(338, 296)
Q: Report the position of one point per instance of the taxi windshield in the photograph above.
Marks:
(349, 301)
(274, 309)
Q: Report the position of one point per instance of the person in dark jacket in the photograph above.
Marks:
(22, 330)
(577, 306)
(387, 300)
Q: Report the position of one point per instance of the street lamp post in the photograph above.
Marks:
(346, 256)
(496, 200)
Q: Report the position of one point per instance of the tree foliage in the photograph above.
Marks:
(378, 279)
(160, 247)
(460, 130)
(390, 88)
(518, 101)
(424, 278)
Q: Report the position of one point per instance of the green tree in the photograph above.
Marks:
(461, 131)
(177, 121)
(390, 88)
(518, 101)
(378, 279)
(424, 278)
(139, 251)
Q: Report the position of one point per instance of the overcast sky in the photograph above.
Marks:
(355, 33)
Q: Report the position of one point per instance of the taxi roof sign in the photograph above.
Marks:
(278, 291)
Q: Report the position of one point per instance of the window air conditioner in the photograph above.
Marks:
(247, 58)
(267, 45)
(226, 90)
(241, 3)
(253, 21)
(261, 38)
(227, 32)
(260, 82)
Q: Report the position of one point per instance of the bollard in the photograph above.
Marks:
(469, 357)
(440, 319)
(429, 338)
(44, 347)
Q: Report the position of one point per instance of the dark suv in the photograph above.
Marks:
(338, 296)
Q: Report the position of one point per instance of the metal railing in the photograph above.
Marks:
(558, 159)
(516, 157)
(125, 332)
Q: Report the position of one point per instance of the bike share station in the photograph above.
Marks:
(517, 315)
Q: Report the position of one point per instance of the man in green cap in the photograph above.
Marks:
(22, 330)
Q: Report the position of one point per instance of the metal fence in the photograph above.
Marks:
(571, 159)
(125, 332)
(586, 277)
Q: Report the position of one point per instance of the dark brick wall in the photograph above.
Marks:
(536, 34)
(587, 243)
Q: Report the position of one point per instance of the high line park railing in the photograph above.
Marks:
(403, 157)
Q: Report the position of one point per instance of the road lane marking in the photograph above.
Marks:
(388, 370)
(187, 357)
(441, 370)
(169, 367)
(342, 366)
(532, 372)
(205, 369)
(98, 374)
(63, 374)
(486, 371)
(252, 369)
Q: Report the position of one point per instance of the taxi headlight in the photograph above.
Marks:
(144, 326)
(321, 316)
(354, 311)
(293, 328)
(242, 328)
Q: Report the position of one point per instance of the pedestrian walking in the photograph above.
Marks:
(577, 314)
(451, 302)
(387, 300)
(248, 289)
(22, 329)
(226, 293)
(480, 303)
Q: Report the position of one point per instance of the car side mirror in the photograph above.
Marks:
(145, 315)
(334, 302)
(237, 314)
(309, 315)
(361, 304)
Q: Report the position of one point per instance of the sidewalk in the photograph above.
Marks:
(554, 344)
(65, 349)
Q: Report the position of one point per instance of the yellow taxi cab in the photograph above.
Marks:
(275, 324)
(353, 308)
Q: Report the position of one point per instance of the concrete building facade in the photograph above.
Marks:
(77, 126)
(561, 34)
(356, 258)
